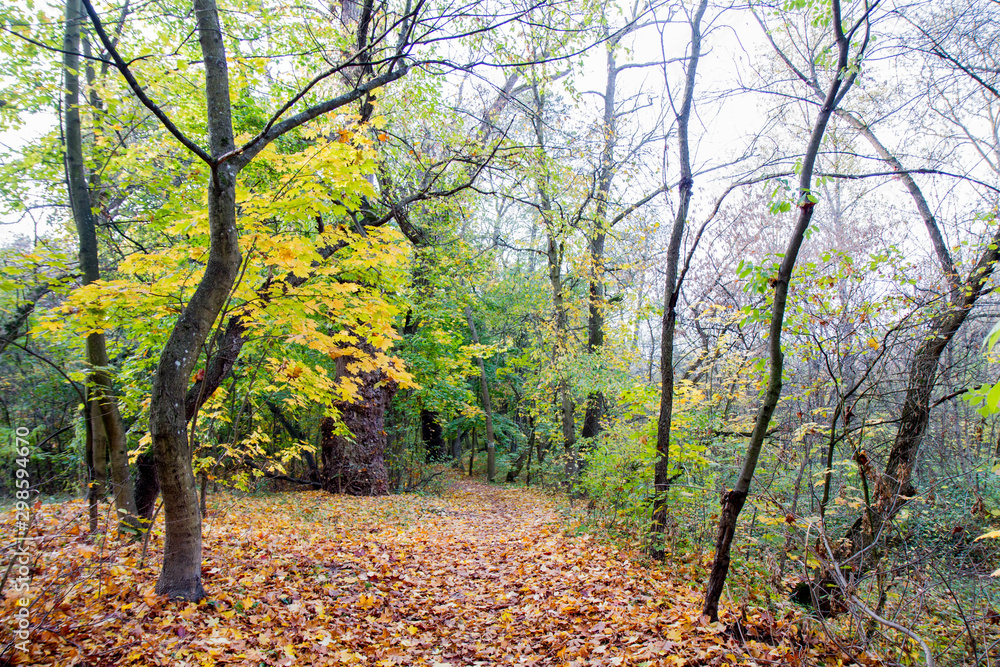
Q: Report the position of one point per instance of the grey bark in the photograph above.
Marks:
(181, 573)
(491, 462)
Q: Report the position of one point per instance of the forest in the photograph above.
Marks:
(555, 332)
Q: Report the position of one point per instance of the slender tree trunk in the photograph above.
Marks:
(12, 327)
(491, 460)
(93, 483)
(106, 405)
(606, 173)
(734, 500)
(661, 474)
(531, 443)
(472, 450)
(181, 574)
(962, 296)
(555, 249)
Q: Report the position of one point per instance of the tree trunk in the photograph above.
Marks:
(11, 328)
(93, 497)
(432, 435)
(491, 460)
(555, 249)
(734, 500)
(597, 303)
(106, 405)
(661, 473)
(357, 465)
(472, 450)
(181, 574)
(293, 430)
(915, 415)
(525, 456)
(147, 485)
(98, 449)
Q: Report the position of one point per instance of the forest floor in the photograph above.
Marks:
(475, 575)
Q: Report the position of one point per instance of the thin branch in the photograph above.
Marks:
(842, 582)
(122, 67)
(242, 156)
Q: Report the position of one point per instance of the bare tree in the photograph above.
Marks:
(841, 83)
(661, 479)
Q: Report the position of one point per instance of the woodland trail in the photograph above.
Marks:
(478, 575)
(517, 590)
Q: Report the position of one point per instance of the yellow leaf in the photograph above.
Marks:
(989, 536)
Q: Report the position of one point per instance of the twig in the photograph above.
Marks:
(841, 581)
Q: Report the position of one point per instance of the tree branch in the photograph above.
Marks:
(122, 67)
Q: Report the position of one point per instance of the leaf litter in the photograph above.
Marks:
(481, 575)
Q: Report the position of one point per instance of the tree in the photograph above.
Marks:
(181, 573)
(844, 75)
(661, 481)
(491, 457)
(967, 71)
(106, 431)
(608, 166)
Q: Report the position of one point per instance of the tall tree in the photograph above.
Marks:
(491, 456)
(842, 80)
(941, 37)
(181, 573)
(110, 432)
(661, 479)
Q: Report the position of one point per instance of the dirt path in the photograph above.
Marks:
(489, 577)
(517, 590)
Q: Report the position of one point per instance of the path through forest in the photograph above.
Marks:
(476, 575)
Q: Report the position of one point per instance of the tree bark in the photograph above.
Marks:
(555, 249)
(491, 457)
(147, 485)
(606, 172)
(962, 296)
(661, 473)
(734, 500)
(356, 465)
(106, 405)
(293, 430)
(181, 574)
(524, 456)
(432, 435)
(11, 328)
